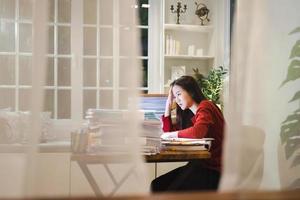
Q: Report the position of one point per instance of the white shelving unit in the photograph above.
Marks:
(188, 27)
(187, 57)
(208, 39)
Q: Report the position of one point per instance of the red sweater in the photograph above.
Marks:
(207, 123)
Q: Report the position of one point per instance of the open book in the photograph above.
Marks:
(186, 144)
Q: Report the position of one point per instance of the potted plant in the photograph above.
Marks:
(212, 84)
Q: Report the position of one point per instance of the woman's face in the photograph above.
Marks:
(182, 98)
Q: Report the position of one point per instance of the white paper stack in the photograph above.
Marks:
(186, 144)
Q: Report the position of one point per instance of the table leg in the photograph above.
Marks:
(90, 178)
(131, 170)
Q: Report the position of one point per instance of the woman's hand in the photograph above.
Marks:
(169, 135)
(169, 103)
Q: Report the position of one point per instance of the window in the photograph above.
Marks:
(15, 54)
(86, 59)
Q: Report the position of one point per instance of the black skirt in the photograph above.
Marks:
(191, 177)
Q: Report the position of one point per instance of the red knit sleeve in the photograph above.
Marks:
(203, 120)
(166, 124)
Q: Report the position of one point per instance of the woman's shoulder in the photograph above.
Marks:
(206, 104)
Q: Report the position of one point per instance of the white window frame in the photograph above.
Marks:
(76, 55)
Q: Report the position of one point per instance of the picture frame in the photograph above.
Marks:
(177, 72)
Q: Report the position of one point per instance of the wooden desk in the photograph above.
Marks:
(177, 156)
(163, 156)
(103, 158)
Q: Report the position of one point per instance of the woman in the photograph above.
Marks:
(208, 122)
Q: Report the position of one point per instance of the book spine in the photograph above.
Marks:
(167, 50)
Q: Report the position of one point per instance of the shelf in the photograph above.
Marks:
(187, 57)
(191, 28)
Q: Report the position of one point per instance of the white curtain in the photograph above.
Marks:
(262, 142)
(27, 171)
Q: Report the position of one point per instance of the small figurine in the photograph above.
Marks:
(202, 12)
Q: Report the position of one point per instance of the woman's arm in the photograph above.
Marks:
(169, 102)
(203, 120)
(166, 118)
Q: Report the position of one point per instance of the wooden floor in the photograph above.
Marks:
(270, 195)
(282, 195)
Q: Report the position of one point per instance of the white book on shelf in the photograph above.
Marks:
(167, 49)
(174, 47)
(177, 49)
(171, 46)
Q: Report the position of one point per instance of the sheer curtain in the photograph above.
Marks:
(262, 109)
(25, 114)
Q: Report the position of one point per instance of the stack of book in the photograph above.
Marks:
(186, 144)
(107, 132)
(151, 131)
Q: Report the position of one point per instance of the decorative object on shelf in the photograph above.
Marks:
(179, 10)
(191, 50)
(202, 12)
(212, 84)
(177, 72)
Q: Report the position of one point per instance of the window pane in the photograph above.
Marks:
(25, 37)
(144, 73)
(106, 42)
(7, 70)
(123, 99)
(106, 99)
(64, 11)
(125, 39)
(90, 41)
(49, 102)
(89, 72)
(64, 104)
(25, 99)
(25, 63)
(125, 72)
(64, 71)
(51, 40)
(106, 73)
(106, 12)
(125, 11)
(51, 6)
(25, 9)
(144, 41)
(7, 36)
(7, 9)
(89, 100)
(64, 38)
(89, 11)
(7, 99)
(143, 12)
(50, 72)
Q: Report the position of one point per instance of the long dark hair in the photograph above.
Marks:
(190, 85)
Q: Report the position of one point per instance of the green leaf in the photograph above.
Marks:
(296, 161)
(296, 30)
(296, 50)
(292, 117)
(291, 147)
(293, 72)
(290, 130)
(295, 97)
